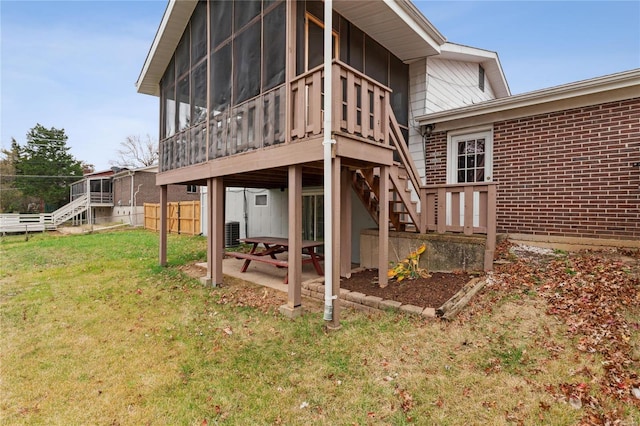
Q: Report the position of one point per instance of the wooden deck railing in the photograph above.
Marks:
(360, 104)
(254, 124)
(467, 208)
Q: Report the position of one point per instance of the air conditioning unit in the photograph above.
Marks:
(231, 234)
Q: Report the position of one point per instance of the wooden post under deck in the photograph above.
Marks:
(345, 223)
(383, 227)
(215, 238)
(163, 225)
(293, 308)
(337, 249)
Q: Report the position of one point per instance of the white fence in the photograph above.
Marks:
(19, 222)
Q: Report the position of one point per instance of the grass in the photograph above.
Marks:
(93, 332)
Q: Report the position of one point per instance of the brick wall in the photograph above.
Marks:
(566, 173)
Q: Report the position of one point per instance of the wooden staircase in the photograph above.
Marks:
(403, 211)
(403, 175)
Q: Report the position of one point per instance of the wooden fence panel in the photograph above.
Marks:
(182, 217)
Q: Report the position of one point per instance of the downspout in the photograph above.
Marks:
(328, 143)
(131, 206)
(135, 204)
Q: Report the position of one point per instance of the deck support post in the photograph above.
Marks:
(336, 183)
(215, 238)
(163, 226)
(293, 308)
(345, 223)
(491, 228)
(383, 227)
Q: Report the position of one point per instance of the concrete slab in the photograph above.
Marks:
(262, 274)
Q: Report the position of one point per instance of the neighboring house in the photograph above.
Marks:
(242, 96)
(566, 160)
(119, 195)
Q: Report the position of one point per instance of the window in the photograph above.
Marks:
(192, 189)
(246, 64)
(273, 53)
(470, 157)
(261, 200)
(314, 55)
(480, 77)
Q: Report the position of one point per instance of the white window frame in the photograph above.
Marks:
(452, 150)
(266, 200)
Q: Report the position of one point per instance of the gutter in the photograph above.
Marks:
(628, 81)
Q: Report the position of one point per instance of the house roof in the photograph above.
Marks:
(174, 21)
(147, 169)
(396, 24)
(608, 88)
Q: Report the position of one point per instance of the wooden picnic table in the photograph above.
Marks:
(265, 249)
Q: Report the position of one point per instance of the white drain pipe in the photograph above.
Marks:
(328, 175)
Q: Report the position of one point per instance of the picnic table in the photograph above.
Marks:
(265, 249)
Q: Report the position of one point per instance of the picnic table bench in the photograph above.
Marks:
(271, 246)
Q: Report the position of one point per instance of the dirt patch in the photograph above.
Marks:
(429, 292)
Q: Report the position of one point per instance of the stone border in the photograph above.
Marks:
(315, 289)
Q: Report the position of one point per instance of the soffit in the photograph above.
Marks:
(397, 25)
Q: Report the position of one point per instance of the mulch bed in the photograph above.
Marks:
(429, 292)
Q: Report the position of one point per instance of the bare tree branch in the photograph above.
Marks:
(135, 152)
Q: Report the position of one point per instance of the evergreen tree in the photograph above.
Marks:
(11, 198)
(44, 167)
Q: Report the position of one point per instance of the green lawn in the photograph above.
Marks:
(94, 332)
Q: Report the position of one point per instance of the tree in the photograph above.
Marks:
(12, 200)
(135, 152)
(44, 167)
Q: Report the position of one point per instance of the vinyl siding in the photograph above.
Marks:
(453, 84)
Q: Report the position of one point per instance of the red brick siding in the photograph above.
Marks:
(566, 173)
(436, 164)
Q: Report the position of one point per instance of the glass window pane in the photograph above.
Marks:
(315, 45)
(199, 32)
(480, 146)
(461, 162)
(375, 61)
(184, 105)
(244, 11)
(356, 48)
(220, 79)
(274, 47)
(480, 174)
(169, 77)
(319, 218)
(399, 83)
(182, 54)
(470, 175)
(246, 63)
(221, 14)
(471, 161)
(461, 176)
(199, 93)
(169, 118)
